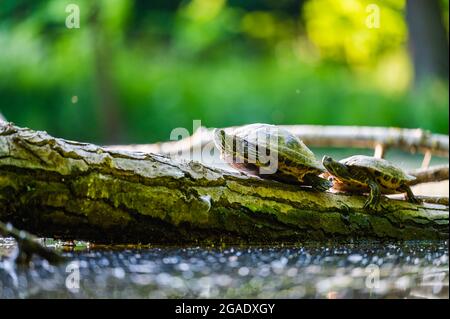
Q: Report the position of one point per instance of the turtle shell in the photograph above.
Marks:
(294, 157)
(387, 174)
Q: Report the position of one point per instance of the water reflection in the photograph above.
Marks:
(368, 270)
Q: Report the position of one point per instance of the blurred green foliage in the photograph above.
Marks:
(135, 70)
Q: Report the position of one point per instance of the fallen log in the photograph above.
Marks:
(71, 190)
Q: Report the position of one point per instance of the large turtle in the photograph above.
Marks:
(366, 174)
(255, 148)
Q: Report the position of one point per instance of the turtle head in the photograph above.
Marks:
(223, 141)
(335, 168)
(219, 138)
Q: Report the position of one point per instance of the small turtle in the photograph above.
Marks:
(366, 174)
(254, 148)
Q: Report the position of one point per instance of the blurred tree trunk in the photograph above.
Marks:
(110, 118)
(109, 115)
(428, 40)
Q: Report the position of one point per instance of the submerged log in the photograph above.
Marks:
(28, 245)
(71, 190)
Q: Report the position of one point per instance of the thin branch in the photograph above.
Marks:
(410, 140)
(438, 200)
(430, 174)
(426, 159)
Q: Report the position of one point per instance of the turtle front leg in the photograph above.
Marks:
(317, 183)
(374, 195)
(409, 194)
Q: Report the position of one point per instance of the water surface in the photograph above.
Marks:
(363, 270)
